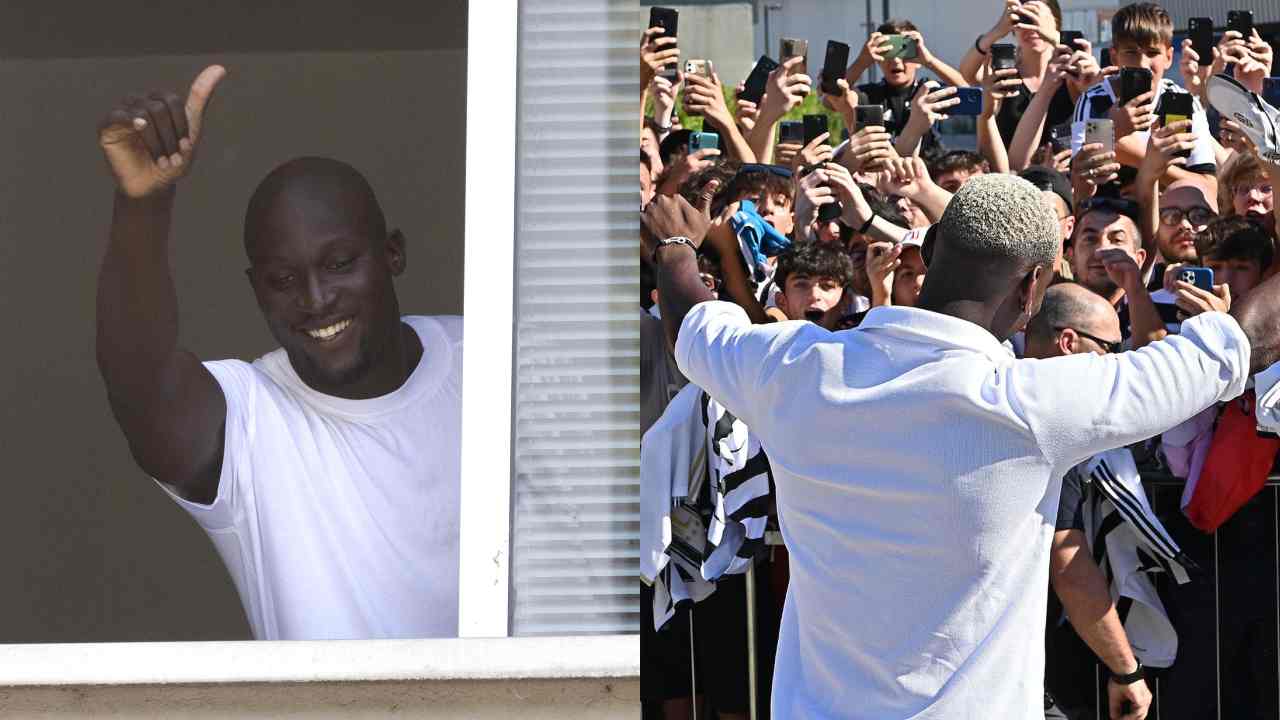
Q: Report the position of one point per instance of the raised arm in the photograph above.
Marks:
(1026, 138)
(706, 96)
(935, 64)
(783, 92)
(973, 64)
(679, 286)
(169, 406)
(997, 87)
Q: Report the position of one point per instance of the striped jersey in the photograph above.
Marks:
(1097, 101)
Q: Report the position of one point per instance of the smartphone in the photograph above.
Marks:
(1104, 57)
(703, 141)
(1175, 107)
(1200, 30)
(791, 131)
(1201, 277)
(791, 47)
(1003, 56)
(753, 88)
(1271, 91)
(868, 116)
(1133, 82)
(699, 67)
(1241, 21)
(1069, 38)
(1100, 131)
(1060, 137)
(901, 46)
(669, 20)
(833, 66)
(970, 102)
(814, 125)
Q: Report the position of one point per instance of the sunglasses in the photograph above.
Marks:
(1196, 215)
(1108, 345)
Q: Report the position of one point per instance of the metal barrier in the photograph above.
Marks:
(1226, 669)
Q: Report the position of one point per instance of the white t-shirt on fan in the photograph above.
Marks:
(338, 519)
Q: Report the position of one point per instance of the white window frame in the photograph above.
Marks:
(488, 309)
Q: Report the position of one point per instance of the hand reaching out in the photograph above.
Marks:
(150, 141)
(1135, 115)
(1092, 168)
(656, 52)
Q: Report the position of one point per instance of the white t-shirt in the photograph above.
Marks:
(338, 519)
(917, 466)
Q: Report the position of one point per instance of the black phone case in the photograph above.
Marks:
(753, 88)
(834, 65)
(790, 131)
(1133, 82)
(1003, 56)
(869, 115)
(1200, 30)
(1070, 36)
(814, 125)
(1105, 57)
(1241, 21)
(666, 18)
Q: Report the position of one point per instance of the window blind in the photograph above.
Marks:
(576, 406)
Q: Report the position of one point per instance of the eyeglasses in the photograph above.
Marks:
(1108, 345)
(1247, 188)
(1198, 215)
(778, 170)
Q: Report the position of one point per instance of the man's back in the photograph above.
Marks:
(917, 466)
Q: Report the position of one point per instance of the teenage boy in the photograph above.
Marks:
(901, 79)
(1142, 37)
(1238, 250)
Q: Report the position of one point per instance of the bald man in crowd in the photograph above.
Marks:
(1074, 320)
(918, 463)
(326, 472)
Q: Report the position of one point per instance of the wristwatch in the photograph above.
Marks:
(1131, 678)
(676, 240)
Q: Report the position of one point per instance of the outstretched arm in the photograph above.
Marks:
(169, 406)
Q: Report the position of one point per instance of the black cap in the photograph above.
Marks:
(1046, 179)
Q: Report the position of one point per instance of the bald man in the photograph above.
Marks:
(326, 472)
(1074, 320)
(1185, 210)
(918, 463)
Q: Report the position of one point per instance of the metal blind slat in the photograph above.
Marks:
(575, 449)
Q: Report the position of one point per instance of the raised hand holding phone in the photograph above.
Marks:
(150, 141)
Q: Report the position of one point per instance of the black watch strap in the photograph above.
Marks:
(1132, 677)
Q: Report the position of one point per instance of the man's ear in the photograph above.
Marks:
(1141, 256)
(1027, 291)
(397, 259)
(781, 299)
(1067, 341)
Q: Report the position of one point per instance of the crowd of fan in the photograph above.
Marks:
(824, 230)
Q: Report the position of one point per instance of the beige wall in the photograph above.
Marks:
(94, 551)
(559, 699)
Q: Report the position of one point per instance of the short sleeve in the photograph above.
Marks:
(1071, 503)
(237, 380)
(720, 351)
(1202, 154)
